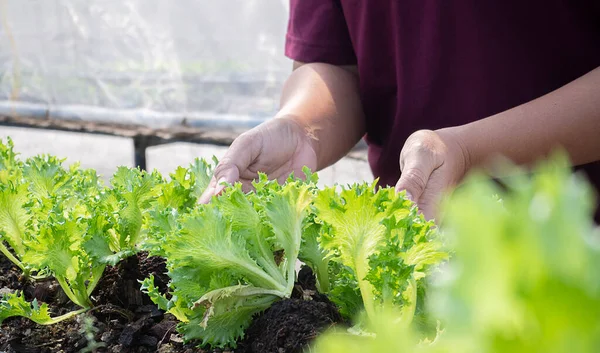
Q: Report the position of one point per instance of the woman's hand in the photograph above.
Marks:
(431, 162)
(319, 121)
(277, 147)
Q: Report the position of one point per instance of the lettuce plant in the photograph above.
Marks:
(56, 246)
(63, 222)
(380, 249)
(524, 274)
(127, 205)
(52, 221)
(68, 221)
(222, 262)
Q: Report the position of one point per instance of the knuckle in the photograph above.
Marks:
(246, 135)
(415, 178)
(423, 138)
(224, 165)
(424, 147)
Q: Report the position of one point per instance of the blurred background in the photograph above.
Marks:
(153, 83)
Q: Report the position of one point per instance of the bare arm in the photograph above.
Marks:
(324, 100)
(568, 117)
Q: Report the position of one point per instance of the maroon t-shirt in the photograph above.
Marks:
(429, 64)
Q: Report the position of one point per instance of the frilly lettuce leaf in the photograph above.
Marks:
(526, 270)
(14, 217)
(524, 275)
(312, 254)
(177, 196)
(10, 166)
(221, 257)
(201, 171)
(384, 247)
(133, 193)
(14, 304)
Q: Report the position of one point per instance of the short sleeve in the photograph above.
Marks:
(317, 32)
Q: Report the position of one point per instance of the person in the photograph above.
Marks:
(436, 88)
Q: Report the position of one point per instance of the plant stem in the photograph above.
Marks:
(37, 277)
(266, 259)
(63, 317)
(83, 302)
(322, 276)
(12, 258)
(409, 312)
(258, 273)
(366, 289)
(292, 257)
(96, 275)
(291, 277)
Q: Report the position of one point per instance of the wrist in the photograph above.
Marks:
(302, 132)
(457, 150)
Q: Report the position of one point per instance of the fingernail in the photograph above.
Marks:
(409, 197)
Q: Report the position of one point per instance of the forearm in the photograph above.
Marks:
(568, 117)
(324, 100)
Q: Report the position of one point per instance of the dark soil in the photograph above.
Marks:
(124, 319)
(120, 285)
(288, 326)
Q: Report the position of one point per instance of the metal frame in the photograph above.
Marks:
(145, 136)
(142, 137)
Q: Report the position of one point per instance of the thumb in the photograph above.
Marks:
(238, 157)
(415, 175)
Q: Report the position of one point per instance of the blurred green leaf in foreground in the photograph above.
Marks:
(524, 275)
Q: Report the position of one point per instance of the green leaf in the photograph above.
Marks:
(157, 298)
(60, 245)
(13, 217)
(286, 211)
(10, 165)
(382, 244)
(46, 176)
(221, 258)
(207, 242)
(14, 304)
(225, 299)
(178, 192)
(526, 274)
(57, 247)
(202, 172)
(221, 317)
(314, 256)
(345, 292)
(246, 223)
(133, 191)
(97, 242)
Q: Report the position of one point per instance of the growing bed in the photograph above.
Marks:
(140, 266)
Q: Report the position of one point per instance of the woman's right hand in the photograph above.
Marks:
(277, 148)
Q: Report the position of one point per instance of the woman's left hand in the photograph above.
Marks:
(431, 162)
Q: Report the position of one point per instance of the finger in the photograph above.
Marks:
(240, 155)
(430, 198)
(215, 187)
(208, 192)
(416, 171)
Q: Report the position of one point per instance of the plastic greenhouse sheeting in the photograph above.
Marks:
(157, 63)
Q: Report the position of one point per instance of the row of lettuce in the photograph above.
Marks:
(524, 273)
